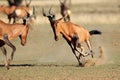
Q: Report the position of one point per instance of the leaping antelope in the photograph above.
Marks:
(65, 10)
(10, 31)
(72, 33)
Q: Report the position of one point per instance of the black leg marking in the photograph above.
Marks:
(10, 45)
(73, 50)
(5, 57)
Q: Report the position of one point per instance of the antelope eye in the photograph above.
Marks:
(53, 16)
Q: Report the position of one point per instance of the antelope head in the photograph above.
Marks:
(53, 22)
(29, 16)
(62, 4)
(50, 15)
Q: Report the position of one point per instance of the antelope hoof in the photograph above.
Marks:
(8, 68)
(86, 54)
(80, 64)
(9, 60)
(23, 44)
(56, 38)
(92, 56)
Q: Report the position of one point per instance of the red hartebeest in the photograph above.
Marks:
(14, 12)
(65, 10)
(7, 10)
(72, 33)
(20, 13)
(10, 31)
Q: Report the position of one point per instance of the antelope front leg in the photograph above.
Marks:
(5, 57)
(73, 50)
(10, 45)
(76, 44)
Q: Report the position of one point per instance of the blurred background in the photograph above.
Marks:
(87, 11)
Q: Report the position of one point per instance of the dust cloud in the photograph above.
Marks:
(101, 59)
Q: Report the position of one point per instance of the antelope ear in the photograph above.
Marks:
(28, 14)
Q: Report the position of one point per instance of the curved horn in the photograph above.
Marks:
(27, 4)
(50, 10)
(33, 15)
(34, 12)
(43, 13)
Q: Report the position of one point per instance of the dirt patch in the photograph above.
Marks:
(96, 61)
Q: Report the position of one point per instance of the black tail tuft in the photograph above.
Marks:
(95, 32)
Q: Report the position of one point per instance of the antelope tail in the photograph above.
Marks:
(95, 32)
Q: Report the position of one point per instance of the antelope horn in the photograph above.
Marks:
(43, 12)
(33, 15)
(50, 10)
(29, 3)
(34, 12)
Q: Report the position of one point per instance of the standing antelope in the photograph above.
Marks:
(72, 33)
(20, 12)
(65, 10)
(10, 31)
(14, 12)
(7, 10)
